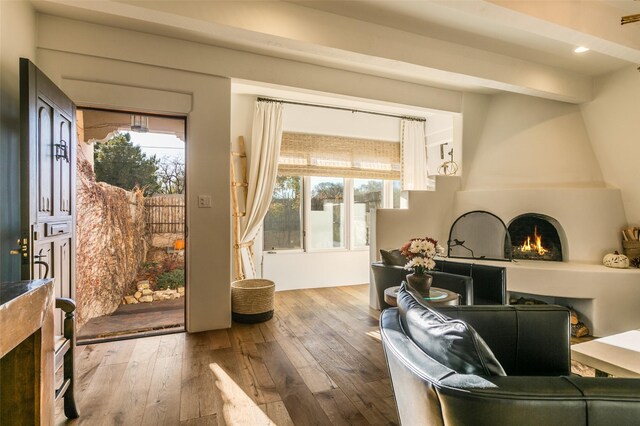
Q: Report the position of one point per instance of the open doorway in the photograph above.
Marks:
(130, 270)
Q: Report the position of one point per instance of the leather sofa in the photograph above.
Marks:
(531, 344)
(385, 276)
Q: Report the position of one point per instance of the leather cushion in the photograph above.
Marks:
(453, 343)
(393, 258)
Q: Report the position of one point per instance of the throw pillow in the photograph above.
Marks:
(453, 343)
(393, 258)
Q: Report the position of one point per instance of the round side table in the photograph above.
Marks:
(437, 297)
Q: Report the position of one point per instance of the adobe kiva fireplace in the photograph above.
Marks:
(534, 236)
(483, 235)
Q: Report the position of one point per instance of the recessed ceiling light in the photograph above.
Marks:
(581, 49)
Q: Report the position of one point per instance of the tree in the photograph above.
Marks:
(282, 223)
(326, 192)
(120, 163)
(171, 172)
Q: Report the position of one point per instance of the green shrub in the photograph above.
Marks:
(172, 279)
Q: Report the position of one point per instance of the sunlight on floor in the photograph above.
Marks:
(375, 335)
(237, 407)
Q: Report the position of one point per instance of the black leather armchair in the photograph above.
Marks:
(532, 345)
(385, 276)
(489, 282)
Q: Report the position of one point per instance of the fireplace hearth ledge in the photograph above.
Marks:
(609, 298)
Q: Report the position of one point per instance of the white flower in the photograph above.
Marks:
(430, 264)
(415, 246)
(429, 248)
(440, 250)
(415, 262)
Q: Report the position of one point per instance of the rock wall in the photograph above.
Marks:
(111, 244)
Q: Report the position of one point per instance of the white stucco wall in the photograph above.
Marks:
(166, 70)
(207, 150)
(528, 142)
(612, 120)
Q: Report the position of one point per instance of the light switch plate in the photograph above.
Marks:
(204, 201)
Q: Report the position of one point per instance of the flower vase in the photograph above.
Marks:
(420, 282)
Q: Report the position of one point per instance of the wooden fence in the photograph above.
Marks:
(165, 214)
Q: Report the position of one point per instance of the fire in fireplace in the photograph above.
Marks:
(534, 237)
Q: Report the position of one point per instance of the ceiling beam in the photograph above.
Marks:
(293, 32)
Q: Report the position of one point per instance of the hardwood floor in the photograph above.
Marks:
(319, 361)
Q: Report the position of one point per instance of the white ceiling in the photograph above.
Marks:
(523, 46)
(455, 21)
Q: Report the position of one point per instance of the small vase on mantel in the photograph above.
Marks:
(420, 282)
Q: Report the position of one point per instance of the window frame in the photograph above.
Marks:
(349, 229)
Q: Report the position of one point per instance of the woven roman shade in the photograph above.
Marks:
(304, 154)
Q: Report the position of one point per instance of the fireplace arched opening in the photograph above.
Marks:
(534, 236)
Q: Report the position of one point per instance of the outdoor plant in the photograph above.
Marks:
(171, 279)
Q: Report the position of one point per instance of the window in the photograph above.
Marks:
(327, 216)
(335, 212)
(396, 188)
(283, 222)
(327, 188)
(367, 195)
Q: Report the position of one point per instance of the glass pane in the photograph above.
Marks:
(367, 195)
(283, 222)
(396, 194)
(326, 224)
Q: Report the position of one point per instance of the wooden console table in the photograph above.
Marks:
(26, 352)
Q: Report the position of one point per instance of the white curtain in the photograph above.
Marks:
(266, 138)
(414, 155)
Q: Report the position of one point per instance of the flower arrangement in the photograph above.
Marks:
(420, 252)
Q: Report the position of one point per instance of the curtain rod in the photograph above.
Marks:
(405, 117)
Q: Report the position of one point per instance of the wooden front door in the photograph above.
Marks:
(48, 166)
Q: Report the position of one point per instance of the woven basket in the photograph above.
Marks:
(252, 300)
(631, 249)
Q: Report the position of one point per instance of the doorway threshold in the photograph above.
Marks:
(134, 321)
(131, 335)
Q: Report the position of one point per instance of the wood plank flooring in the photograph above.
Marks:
(319, 361)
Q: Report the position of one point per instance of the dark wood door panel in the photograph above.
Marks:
(63, 157)
(47, 181)
(44, 149)
(43, 260)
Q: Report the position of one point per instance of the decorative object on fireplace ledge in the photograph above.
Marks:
(615, 260)
(631, 245)
(420, 252)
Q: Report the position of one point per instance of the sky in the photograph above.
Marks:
(159, 144)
